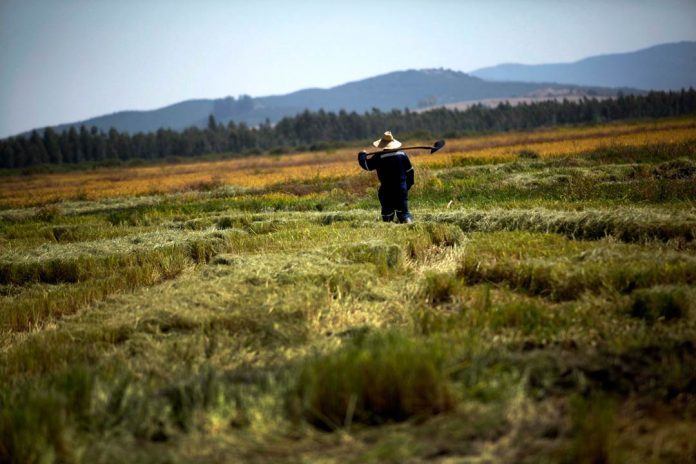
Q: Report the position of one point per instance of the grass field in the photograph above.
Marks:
(541, 309)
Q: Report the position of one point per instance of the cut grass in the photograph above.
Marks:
(231, 325)
(564, 275)
(628, 225)
(93, 278)
(35, 305)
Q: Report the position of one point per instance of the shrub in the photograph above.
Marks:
(226, 222)
(135, 162)
(527, 154)
(174, 160)
(127, 217)
(48, 213)
(281, 150)
(681, 168)
(373, 380)
(109, 163)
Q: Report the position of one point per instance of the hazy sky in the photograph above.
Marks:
(68, 60)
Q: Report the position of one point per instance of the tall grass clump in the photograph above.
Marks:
(202, 250)
(527, 154)
(680, 168)
(128, 217)
(39, 423)
(48, 213)
(60, 417)
(432, 234)
(375, 379)
(593, 431)
(660, 303)
(385, 257)
(440, 287)
(444, 234)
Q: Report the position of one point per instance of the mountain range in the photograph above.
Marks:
(670, 66)
(662, 67)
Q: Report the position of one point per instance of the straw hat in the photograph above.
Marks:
(387, 142)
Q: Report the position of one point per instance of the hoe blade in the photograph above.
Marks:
(439, 144)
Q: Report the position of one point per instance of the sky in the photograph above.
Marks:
(68, 60)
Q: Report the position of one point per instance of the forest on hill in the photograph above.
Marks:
(322, 130)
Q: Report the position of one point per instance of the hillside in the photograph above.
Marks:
(662, 67)
(401, 89)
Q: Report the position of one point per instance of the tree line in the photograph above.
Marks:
(321, 130)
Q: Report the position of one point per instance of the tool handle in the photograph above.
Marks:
(394, 150)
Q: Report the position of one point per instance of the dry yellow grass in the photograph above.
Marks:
(264, 171)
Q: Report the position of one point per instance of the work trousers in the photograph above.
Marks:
(394, 201)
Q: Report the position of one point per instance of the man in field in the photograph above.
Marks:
(395, 175)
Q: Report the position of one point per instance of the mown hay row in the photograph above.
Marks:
(567, 279)
(37, 304)
(91, 261)
(628, 225)
(87, 279)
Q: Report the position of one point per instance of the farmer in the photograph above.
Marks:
(395, 175)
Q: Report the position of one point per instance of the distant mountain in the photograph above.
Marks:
(662, 67)
(402, 89)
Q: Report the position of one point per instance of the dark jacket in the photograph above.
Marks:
(393, 169)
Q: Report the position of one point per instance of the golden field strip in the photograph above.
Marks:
(263, 172)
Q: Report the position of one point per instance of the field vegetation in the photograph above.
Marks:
(542, 308)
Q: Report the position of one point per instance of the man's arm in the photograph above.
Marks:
(410, 173)
(367, 164)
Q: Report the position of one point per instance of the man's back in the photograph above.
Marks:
(392, 168)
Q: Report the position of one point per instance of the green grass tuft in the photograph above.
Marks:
(527, 154)
(593, 434)
(441, 287)
(660, 303)
(384, 256)
(369, 382)
(680, 168)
